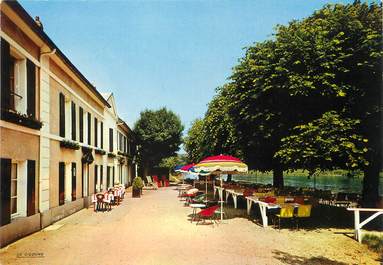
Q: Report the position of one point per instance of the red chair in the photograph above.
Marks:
(299, 200)
(207, 213)
(189, 195)
(156, 180)
(248, 192)
(165, 181)
(270, 199)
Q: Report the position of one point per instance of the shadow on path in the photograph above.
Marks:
(287, 258)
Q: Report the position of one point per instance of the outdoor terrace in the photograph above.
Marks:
(156, 229)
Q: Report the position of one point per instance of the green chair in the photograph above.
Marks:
(199, 198)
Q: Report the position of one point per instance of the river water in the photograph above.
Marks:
(333, 183)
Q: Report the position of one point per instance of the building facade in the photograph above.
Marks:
(60, 138)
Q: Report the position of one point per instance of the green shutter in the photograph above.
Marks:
(31, 186)
(5, 191)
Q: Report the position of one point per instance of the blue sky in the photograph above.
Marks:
(162, 53)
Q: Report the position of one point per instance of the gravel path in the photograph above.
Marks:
(155, 230)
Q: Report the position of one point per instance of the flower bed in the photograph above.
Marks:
(69, 144)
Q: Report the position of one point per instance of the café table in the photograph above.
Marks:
(263, 207)
(196, 206)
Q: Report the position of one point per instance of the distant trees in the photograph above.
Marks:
(193, 142)
(309, 98)
(159, 134)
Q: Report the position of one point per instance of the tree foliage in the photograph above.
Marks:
(193, 142)
(171, 162)
(159, 134)
(308, 98)
(220, 136)
(327, 143)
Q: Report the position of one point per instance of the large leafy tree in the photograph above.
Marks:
(330, 61)
(333, 60)
(215, 133)
(220, 136)
(159, 134)
(259, 107)
(193, 142)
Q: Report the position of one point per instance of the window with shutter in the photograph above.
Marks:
(73, 109)
(61, 183)
(95, 178)
(102, 134)
(31, 89)
(81, 124)
(107, 185)
(101, 177)
(74, 181)
(110, 140)
(31, 186)
(95, 132)
(89, 129)
(5, 191)
(62, 114)
(5, 74)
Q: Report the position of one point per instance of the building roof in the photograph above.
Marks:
(123, 124)
(16, 7)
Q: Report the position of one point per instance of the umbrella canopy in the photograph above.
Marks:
(186, 168)
(177, 168)
(221, 164)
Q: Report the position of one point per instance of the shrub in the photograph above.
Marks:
(374, 242)
(138, 183)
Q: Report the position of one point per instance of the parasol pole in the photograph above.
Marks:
(221, 199)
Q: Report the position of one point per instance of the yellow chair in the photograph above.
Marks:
(286, 212)
(304, 211)
(281, 200)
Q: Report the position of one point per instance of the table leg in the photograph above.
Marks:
(263, 214)
(249, 202)
(235, 200)
(227, 196)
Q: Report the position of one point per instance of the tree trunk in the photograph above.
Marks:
(278, 177)
(228, 178)
(370, 194)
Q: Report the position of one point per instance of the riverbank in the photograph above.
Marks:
(156, 229)
(336, 181)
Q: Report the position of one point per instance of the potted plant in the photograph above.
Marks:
(137, 186)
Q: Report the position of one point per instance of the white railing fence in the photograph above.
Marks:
(358, 225)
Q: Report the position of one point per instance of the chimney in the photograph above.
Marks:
(38, 22)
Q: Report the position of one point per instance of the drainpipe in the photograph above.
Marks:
(48, 53)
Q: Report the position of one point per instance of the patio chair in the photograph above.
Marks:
(151, 183)
(207, 213)
(165, 181)
(157, 181)
(286, 212)
(94, 201)
(280, 199)
(107, 200)
(248, 192)
(299, 199)
(304, 211)
(199, 198)
(99, 202)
